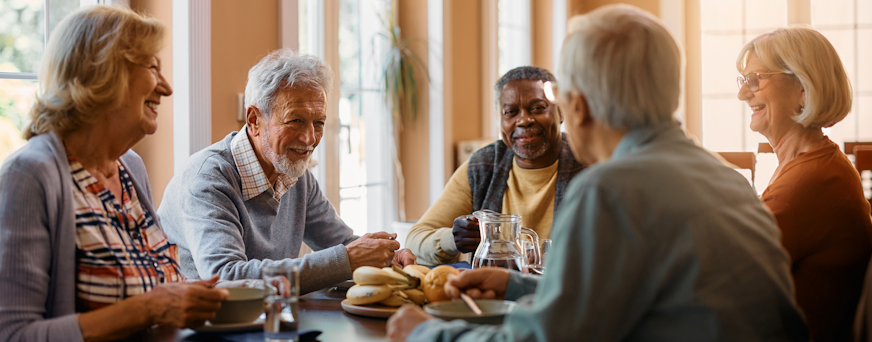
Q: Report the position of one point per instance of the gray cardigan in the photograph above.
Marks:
(219, 232)
(38, 240)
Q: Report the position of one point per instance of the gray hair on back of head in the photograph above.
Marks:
(626, 65)
(521, 73)
(284, 68)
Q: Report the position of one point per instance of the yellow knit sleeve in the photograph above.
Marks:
(430, 238)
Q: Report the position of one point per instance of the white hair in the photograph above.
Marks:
(284, 68)
(810, 57)
(625, 63)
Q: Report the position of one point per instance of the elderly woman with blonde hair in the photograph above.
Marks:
(82, 252)
(795, 84)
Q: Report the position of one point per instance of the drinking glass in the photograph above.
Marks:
(528, 258)
(544, 249)
(530, 265)
(281, 295)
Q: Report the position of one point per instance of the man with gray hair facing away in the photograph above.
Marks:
(657, 240)
(525, 173)
(249, 200)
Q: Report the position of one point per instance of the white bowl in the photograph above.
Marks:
(493, 311)
(243, 305)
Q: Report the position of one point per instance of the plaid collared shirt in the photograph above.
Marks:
(120, 251)
(254, 181)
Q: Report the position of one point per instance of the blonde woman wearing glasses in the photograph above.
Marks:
(795, 84)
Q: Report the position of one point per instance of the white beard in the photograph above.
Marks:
(282, 163)
(533, 154)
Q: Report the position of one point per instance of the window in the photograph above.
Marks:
(848, 26)
(365, 173)
(23, 28)
(727, 25)
(514, 34)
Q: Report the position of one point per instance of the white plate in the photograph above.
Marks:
(232, 327)
(372, 310)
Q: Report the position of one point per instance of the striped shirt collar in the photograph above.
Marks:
(254, 181)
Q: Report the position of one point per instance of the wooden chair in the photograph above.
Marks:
(764, 147)
(863, 160)
(742, 160)
(850, 145)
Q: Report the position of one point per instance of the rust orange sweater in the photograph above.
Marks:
(826, 227)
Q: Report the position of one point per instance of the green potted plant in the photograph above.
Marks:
(400, 68)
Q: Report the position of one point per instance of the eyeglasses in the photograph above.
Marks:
(753, 79)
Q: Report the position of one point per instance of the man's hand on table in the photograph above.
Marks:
(466, 234)
(372, 249)
(485, 282)
(405, 257)
(401, 324)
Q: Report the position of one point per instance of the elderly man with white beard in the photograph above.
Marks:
(249, 201)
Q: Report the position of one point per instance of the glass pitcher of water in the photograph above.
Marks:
(500, 241)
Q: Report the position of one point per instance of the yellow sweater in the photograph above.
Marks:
(529, 193)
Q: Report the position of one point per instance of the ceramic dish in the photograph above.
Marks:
(242, 306)
(372, 310)
(493, 311)
(231, 327)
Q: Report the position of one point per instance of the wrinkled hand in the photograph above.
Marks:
(485, 282)
(404, 321)
(405, 257)
(185, 305)
(466, 234)
(372, 249)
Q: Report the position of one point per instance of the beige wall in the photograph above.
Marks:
(541, 23)
(693, 71)
(242, 33)
(414, 141)
(157, 150)
(462, 84)
(583, 6)
(465, 83)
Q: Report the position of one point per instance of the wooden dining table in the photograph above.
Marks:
(320, 310)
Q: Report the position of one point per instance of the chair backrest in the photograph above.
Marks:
(863, 161)
(742, 160)
(863, 157)
(849, 145)
(764, 147)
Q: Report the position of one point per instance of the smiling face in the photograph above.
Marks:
(530, 123)
(145, 88)
(294, 129)
(778, 98)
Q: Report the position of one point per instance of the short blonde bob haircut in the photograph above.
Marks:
(809, 56)
(626, 65)
(86, 65)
